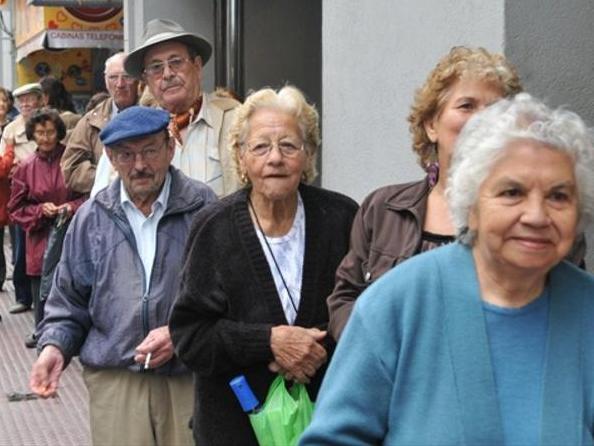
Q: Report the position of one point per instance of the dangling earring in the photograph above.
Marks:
(244, 178)
(432, 167)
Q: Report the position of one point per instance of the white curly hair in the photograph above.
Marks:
(488, 133)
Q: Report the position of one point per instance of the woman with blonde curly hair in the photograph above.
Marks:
(399, 221)
(259, 266)
(486, 341)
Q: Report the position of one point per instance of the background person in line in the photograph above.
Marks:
(170, 60)
(84, 148)
(258, 267)
(29, 100)
(114, 288)
(6, 161)
(485, 341)
(56, 96)
(38, 195)
(398, 221)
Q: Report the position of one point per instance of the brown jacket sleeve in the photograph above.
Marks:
(79, 160)
(350, 282)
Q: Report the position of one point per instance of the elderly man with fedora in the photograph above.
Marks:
(115, 285)
(84, 147)
(29, 99)
(170, 61)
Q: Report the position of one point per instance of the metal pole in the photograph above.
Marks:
(220, 43)
(234, 46)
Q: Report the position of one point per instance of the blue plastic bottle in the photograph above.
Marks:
(243, 392)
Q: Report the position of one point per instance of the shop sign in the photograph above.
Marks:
(61, 38)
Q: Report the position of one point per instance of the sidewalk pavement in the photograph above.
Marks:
(62, 421)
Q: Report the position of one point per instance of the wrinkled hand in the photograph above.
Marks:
(297, 352)
(49, 209)
(158, 343)
(66, 209)
(46, 372)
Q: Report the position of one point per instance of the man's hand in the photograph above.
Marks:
(158, 344)
(46, 372)
(297, 351)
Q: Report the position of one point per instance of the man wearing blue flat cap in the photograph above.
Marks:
(114, 289)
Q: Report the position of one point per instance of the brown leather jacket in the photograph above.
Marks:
(84, 148)
(387, 230)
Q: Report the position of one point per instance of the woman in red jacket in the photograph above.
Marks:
(39, 195)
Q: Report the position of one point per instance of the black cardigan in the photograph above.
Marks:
(228, 303)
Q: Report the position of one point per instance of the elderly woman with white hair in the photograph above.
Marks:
(259, 265)
(488, 340)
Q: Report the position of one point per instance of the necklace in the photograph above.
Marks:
(272, 254)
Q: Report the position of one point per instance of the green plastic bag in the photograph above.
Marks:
(284, 415)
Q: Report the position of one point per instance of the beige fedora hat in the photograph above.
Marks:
(159, 31)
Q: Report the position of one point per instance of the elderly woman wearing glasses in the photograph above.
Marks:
(259, 265)
(38, 196)
(487, 340)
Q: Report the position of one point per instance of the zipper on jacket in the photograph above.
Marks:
(145, 315)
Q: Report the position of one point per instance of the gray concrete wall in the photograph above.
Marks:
(375, 54)
(193, 15)
(552, 44)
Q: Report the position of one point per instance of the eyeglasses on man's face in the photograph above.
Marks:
(115, 78)
(156, 69)
(128, 157)
(287, 148)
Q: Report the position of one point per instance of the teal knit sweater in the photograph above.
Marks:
(413, 366)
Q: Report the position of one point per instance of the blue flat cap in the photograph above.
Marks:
(134, 122)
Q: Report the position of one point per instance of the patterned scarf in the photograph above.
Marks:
(180, 121)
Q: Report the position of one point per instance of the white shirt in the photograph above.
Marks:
(145, 228)
(199, 156)
(104, 173)
(288, 251)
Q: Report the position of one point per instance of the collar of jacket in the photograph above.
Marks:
(100, 115)
(49, 157)
(185, 195)
(410, 197)
(213, 109)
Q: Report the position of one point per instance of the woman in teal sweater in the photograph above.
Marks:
(486, 341)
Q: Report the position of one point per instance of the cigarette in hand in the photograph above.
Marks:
(147, 360)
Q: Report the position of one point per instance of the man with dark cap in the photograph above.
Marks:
(115, 285)
(170, 60)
